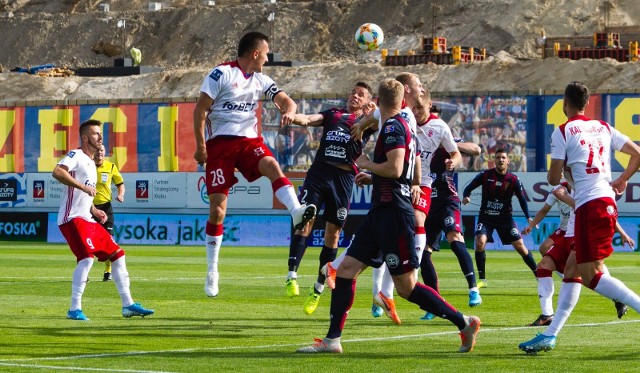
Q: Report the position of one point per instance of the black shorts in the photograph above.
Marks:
(328, 186)
(506, 227)
(386, 235)
(444, 216)
(108, 225)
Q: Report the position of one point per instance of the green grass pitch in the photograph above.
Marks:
(252, 327)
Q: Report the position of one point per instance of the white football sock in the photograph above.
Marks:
(567, 299)
(545, 295)
(387, 283)
(376, 277)
(287, 196)
(615, 289)
(336, 263)
(121, 279)
(213, 249)
(79, 282)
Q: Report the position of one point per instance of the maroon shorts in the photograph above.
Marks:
(560, 250)
(424, 203)
(225, 154)
(595, 226)
(88, 239)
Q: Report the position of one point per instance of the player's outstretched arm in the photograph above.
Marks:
(537, 219)
(308, 119)
(469, 148)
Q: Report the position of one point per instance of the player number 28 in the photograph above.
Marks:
(217, 177)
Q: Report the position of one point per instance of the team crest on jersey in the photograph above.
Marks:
(430, 133)
(514, 232)
(389, 129)
(215, 75)
(390, 140)
(258, 151)
(392, 260)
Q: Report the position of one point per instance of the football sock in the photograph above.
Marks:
(296, 251)
(107, 266)
(530, 262)
(285, 193)
(615, 289)
(79, 282)
(341, 302)
(387, 283)
(421, 238)
(429, 300)
(376, 277)
(545, 291)
(428, 270)
(481, 261)
(567, 299)
(214, 233)
(465, 261)
(121, 279)
(327, 255)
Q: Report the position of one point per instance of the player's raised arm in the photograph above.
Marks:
(311, 120)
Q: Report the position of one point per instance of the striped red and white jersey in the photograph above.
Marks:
(76, 203)
(585, 145)
(235, 97)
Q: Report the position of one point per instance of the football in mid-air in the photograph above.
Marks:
(369, 36)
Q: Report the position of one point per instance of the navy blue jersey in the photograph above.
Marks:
(497, 192)
(395, 133)
(336, 145)
(443, 184)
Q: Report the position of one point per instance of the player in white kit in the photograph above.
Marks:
(227, 138)
(86, 238)
(582, 149)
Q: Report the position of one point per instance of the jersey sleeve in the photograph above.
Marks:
(476, 182)
(618, 139)
(70, 160)
(269, 88)
(551, 199)
(214, 82)
(448, 142)
(115, 176)
(558, 145)
(393, 135)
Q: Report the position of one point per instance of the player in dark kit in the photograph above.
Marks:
(498, 188)
(329, 183)
(387, 233)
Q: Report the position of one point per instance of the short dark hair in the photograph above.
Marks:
(501, 150)
(435, 109)
(88, 123)
(577, 95)
(250, 42)
(365, 86)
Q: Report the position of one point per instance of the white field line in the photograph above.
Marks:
(5, 362)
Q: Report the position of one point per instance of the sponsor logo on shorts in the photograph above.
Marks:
(448, 221)
(514, 232)
(392, 260)
(611, 210)
(342, 213)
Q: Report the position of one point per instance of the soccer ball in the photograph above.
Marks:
(369, 36)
